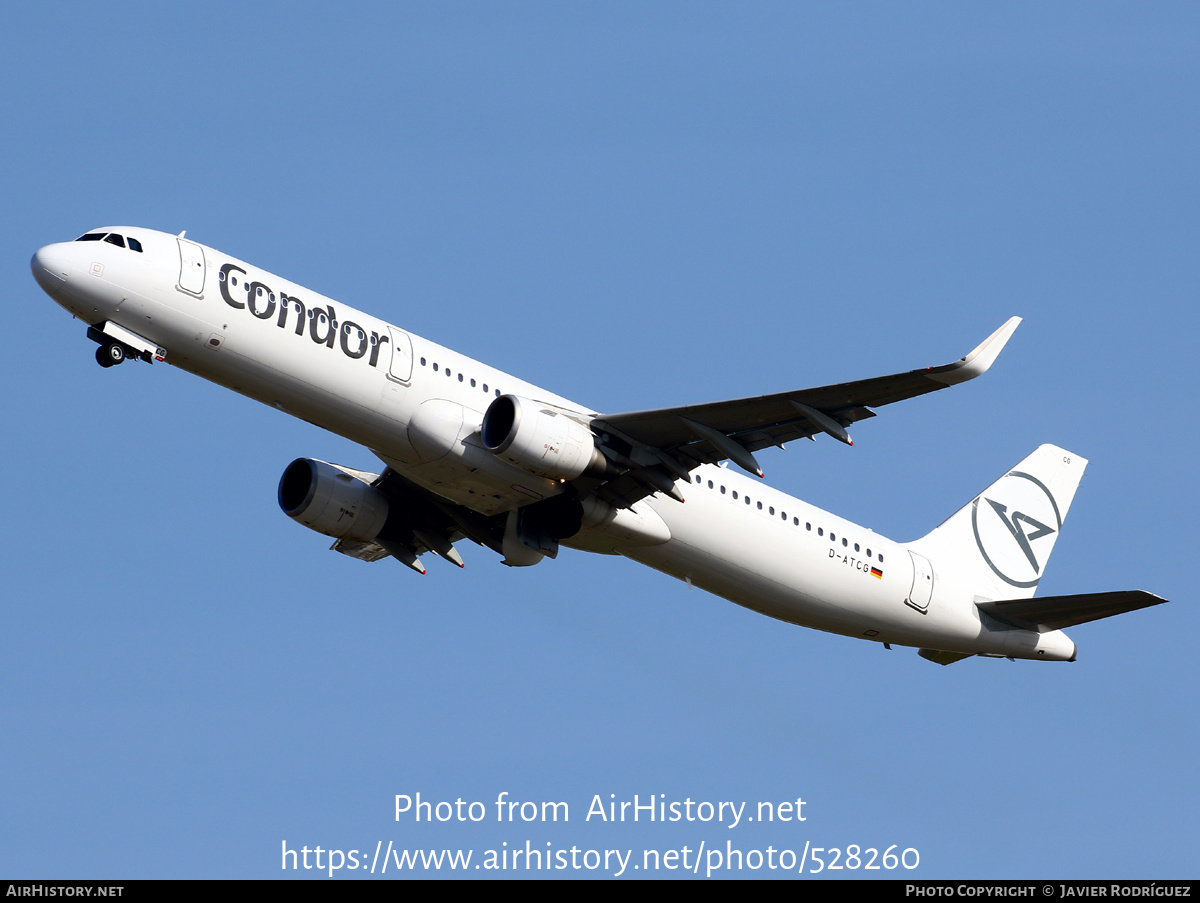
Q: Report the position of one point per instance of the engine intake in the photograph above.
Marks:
(540, 440)
(329, 500)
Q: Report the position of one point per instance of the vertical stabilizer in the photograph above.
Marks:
(999, 544)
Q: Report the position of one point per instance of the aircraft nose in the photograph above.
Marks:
(51, 265)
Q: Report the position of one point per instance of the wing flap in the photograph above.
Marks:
(1058, 612)
(363, 551)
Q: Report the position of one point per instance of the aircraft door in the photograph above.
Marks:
(191, 267)
(402, 356)
(922, 585)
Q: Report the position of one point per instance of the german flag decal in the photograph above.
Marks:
(875, 572)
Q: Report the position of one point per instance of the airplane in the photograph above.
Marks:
(470, 452)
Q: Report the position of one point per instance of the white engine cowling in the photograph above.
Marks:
(538, 439)
(329, 500)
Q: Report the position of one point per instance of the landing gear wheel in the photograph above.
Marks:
(110, 355)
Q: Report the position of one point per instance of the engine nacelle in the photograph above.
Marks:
(329, 500)
(540, 440)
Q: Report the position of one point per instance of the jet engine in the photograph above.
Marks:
(331, 500)
(539, 439)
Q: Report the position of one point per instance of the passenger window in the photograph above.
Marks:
(135, 245)
(735, 494)
(472, 384)
(844, 542)
(881, 559)
(722, 490)
(868, 553)
(115, 239)
(856, 547)
(832, 537)
(435, 368)
(760, 506)
(710, 485)
(422, 362)
(460, 377)
(820, 531)
(485, 388)
(772, 511)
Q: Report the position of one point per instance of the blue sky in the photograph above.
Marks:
(635, 206)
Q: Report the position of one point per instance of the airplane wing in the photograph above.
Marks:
(428, 524)
(675, 440)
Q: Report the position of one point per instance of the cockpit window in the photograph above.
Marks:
(112, 238)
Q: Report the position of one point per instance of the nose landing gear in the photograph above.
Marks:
(118, 344)
(110, 354)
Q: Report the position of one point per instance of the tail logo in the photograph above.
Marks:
(1019, 512)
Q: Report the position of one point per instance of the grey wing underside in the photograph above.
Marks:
(669, 442)
(428, 524)
(363, 551)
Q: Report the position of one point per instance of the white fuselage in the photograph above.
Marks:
(419, 405)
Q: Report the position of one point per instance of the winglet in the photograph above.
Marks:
(977, 361)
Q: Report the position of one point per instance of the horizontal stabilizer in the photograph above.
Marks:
(1057, 612)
